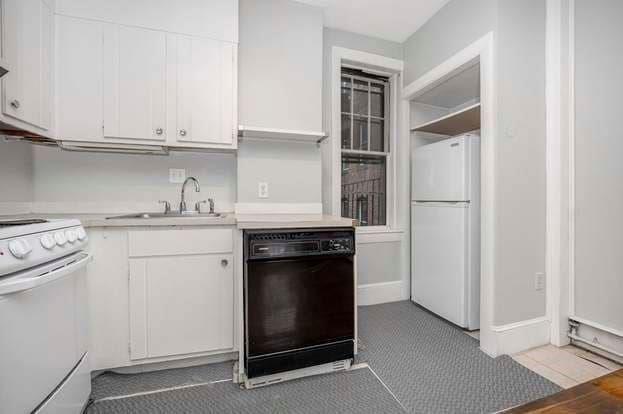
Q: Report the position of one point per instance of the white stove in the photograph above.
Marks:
(43, 316)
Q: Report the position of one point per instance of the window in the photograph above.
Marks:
(365, 146)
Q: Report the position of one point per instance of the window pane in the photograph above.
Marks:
(364, 189)
(377, 100)
(346, 131)
(346, 96)
(377, 135)
(361, 97)
(360, 133)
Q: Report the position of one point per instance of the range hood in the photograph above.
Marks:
(4, 67)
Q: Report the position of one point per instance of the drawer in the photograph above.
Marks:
(177, 242)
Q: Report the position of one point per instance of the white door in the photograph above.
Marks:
(27, 37)
(439, 259)
(181, 305)
(439, 171)
(134, 83)
(205, 90)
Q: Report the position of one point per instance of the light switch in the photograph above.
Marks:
(262, 190)
(177, 175)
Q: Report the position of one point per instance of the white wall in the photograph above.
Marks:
(15, 172)
(519, 30)
(94, 180)
(598, 162)
(280, 86)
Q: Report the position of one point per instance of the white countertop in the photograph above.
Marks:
(243, 221)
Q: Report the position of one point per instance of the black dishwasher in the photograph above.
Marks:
(299, 297)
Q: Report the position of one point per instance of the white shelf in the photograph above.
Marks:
(271, 134)
(459, 122)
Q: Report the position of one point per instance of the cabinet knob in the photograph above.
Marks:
(15, 104)
(183, 132)
(224, 262)
(159, 131)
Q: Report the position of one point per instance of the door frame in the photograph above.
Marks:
(482, 51)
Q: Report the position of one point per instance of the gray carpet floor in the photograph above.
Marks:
(357, 391)
(428, 365)
(433, 367)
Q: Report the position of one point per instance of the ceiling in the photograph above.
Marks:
(393, 20)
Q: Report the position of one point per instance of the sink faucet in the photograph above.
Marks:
(183, 201)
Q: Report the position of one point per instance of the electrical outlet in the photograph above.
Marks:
(262, 190)
(539, 281)
(177, 175)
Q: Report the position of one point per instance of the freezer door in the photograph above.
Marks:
(439, 171)
(439, 259)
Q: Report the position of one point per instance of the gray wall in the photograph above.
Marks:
(16, 172)
(519, 30)
(280, 86)
(456, 25)
(598, 162)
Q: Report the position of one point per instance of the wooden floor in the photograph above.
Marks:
(601, 395)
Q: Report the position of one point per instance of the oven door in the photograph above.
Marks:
(297, 303)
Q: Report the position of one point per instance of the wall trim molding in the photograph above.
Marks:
(521, 336)
(278, 208)
(385, 292)
(483, 51)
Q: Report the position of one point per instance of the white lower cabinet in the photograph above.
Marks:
(160, 294)
(180, 305)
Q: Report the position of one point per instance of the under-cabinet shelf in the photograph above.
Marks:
(459, 122)
(272, 134)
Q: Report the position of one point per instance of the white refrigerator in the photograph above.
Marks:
(445, 229)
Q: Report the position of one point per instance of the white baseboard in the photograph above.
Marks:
(521, 336)
(376, 293)
(278, 208)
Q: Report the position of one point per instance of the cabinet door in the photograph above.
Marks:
(134, 83)
(205, 91)
(79, 79)
(180, 305)
(28, 48)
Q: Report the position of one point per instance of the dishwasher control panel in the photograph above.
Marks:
(262, 244)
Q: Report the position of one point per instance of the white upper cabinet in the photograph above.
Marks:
(122, 84)
(134, 83)
(79, 79)
(215, 19)
(27, 48)
(205, 90)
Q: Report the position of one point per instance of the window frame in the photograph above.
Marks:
(391, 127)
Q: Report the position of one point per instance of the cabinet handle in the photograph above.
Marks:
(159, 131)
(224, 262)
(183, 132)
(15, 104)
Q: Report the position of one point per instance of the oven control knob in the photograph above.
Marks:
(60, 238)
(81, 233)
(19, 248)
(47, 241)
(71, 236)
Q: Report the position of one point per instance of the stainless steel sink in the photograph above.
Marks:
(172, 214)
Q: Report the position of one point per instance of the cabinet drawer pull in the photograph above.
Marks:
(224, 262)
(159, 131)
(183, 132)
(15, 104)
